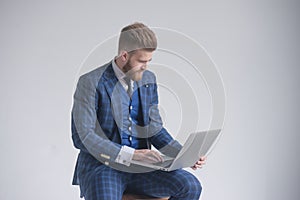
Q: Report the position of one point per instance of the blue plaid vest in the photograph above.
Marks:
(135, 117)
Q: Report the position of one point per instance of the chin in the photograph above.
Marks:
(137, 77)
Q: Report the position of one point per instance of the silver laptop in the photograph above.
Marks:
(197, 145)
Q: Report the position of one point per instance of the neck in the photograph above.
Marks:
(119, 63)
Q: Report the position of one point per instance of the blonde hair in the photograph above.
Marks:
(137, 36)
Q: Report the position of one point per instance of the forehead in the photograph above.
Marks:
(142, 55)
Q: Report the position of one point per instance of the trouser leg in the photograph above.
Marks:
(106, 184)
(178, 184)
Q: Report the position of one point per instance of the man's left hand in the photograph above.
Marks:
(199, 163)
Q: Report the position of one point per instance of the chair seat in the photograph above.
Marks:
(140, 197)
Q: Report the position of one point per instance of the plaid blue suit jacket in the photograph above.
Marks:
(98, 114)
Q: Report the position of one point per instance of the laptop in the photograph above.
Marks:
(197, 145)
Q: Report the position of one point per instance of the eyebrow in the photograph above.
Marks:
(145, 60)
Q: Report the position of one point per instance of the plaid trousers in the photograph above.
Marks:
(110, 184)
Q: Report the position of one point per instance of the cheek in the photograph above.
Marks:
(135, 69)
(135, 65)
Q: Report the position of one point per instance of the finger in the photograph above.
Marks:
(149, 159)
(195, 167)
(203, 158)
(198, 166)
(156, 156)
(200, 162)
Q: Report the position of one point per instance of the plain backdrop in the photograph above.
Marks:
(255, 45)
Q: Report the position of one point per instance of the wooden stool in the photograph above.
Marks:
(140, 197)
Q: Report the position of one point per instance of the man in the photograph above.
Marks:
(115, 119)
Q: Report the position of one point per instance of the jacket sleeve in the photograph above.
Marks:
(87, 134)
(160, 138)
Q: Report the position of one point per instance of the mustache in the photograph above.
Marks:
(135, 70)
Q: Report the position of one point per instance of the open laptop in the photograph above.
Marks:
(197, 145)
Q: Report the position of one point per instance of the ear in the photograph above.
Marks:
(124, 56)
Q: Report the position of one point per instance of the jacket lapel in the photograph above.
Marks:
(118, 97)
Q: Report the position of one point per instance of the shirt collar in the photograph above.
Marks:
(118, 72)
(120, 75)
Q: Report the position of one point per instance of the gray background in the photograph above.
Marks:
(255, 45)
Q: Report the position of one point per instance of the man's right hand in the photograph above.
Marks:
(147, 155)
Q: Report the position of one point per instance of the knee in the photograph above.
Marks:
(188, 186)
(193, 185)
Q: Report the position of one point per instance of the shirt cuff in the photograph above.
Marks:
(125, 155)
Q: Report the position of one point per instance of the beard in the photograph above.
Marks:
(134, 73)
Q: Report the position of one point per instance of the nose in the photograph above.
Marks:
(144, 67)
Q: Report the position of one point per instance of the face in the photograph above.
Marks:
(137, 63)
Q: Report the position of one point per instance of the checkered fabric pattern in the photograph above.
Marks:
(96, 133)
(110, 184)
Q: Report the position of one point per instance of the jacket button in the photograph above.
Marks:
(105, 156)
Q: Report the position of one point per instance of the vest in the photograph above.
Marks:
(135, 118)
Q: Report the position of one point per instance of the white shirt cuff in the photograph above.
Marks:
(125, 155)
